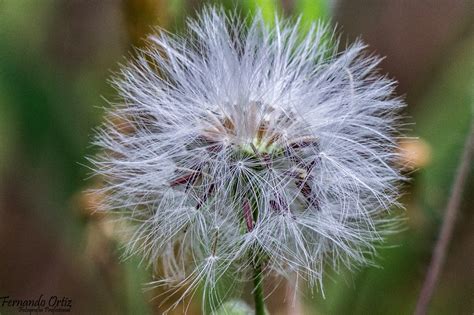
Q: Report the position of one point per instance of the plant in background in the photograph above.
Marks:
(245, 149)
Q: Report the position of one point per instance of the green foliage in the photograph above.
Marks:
(443, 119)
(312, 10)
(268, 8)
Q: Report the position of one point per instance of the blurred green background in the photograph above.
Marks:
(55, 59)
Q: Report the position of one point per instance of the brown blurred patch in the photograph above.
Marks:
(415, 154)
(141, 16)
(414, 35)
(36, 260)
(81, 31)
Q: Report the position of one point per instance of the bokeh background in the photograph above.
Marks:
(55, 59)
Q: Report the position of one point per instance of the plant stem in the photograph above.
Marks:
(450, 214)
(258, 290)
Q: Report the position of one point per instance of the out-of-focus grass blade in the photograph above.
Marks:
(268, 8)
(312, 10)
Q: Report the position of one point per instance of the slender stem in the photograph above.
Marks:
(439, 254)
(258, 290)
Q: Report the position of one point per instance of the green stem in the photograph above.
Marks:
(258, 290)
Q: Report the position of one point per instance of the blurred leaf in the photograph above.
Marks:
(312, 10)
(269, 8)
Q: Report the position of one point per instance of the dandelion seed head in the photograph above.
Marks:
(245, 139)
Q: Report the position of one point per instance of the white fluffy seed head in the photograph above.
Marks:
(243, 142)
